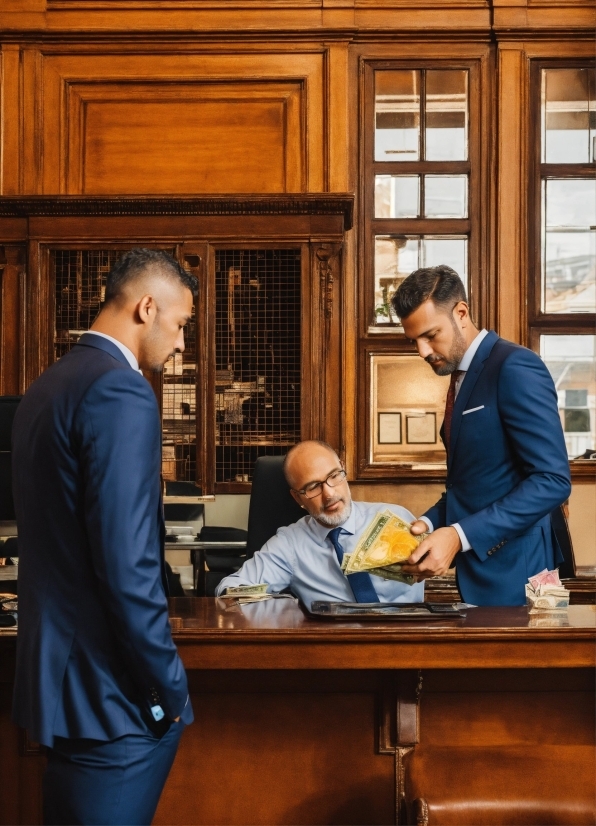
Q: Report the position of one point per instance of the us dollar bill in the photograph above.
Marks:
(386, 541)
(246, 590)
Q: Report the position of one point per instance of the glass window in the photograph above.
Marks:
(397, 115)
(569, 246)
(396, 256)
(446, 196)
(571, 360)
(446, 103)
(568, 115)
(397, 196)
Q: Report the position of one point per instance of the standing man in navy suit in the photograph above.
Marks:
(507, 465)
(98, 677)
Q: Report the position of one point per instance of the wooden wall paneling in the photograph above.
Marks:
(12, 319)
(161, 123)
(10, 120)
(512, 271)
(188, 137)
(31, 144)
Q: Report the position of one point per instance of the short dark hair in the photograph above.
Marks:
(136, 261)
(440, 284)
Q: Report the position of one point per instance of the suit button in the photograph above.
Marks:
(490, 553)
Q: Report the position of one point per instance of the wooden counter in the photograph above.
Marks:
(488, 719)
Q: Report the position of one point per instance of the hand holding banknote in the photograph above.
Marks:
(434, 555)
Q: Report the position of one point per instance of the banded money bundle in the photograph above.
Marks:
(385, 545)
(545, 592)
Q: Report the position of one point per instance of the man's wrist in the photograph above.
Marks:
(465, 545)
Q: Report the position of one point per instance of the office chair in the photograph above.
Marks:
(271, 507)
(9, 548)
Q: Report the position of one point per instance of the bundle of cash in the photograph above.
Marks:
(385, 544)
(544, 592)
(244, 594)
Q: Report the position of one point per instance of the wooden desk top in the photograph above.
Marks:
(277, 634)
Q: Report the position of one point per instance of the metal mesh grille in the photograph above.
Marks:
(257, 341)
(80, 278)
(179, 410)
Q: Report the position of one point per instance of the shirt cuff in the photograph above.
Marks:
(465, 545)
(427, 521)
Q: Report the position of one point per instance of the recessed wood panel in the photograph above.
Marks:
(195, 138)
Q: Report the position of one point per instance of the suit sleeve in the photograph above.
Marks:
(437, 514)
(527, 403)
(120, 446)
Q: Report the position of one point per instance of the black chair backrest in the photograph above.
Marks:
(562, 537)
(8, 407)
(271, 503)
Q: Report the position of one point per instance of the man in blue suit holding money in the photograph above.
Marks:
(98, 678)
(507, 465)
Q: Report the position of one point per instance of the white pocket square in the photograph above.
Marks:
(473, 410)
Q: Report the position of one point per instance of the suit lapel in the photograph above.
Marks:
(468, 384)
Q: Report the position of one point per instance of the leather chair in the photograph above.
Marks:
(271, 507)
(9, 548)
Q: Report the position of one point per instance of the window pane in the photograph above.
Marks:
(397, 115)
(569, 246)
(396, 256)
(567, 111)
(397, 196)
(446, 115)
(450, 251)
(571, 361)
(446, 196)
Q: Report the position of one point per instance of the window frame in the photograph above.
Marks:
(538, 322)
(477, 227)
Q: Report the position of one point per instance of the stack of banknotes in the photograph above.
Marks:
(243, 594)
(385, 545)
(544, 592)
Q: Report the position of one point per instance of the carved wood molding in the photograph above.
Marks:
(68, 205)
(326, 256)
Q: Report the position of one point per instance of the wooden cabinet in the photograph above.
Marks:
(263, 356)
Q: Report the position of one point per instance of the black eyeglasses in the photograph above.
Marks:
(315, 488)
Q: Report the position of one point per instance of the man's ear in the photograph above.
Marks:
(462, 311)
(146, 309)
(296, 497)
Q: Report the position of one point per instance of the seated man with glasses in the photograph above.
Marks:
(306, 556)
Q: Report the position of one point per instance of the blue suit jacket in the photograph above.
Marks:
(94, 648)
(507, 470)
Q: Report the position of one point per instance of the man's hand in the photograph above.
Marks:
(418, 527)
(434, 554)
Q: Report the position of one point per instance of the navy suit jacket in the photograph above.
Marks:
(507, 469)
(94, 647)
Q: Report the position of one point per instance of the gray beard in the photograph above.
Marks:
(457, 353)
(337, 519)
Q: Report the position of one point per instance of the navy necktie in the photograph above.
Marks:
(360, 582)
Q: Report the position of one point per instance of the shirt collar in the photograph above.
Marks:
(464, 364)
(128, 354)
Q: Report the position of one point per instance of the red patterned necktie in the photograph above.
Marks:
(450, 401)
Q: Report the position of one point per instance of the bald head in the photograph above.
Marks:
(303, 454)
(316, 464)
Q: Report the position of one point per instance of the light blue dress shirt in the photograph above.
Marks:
(126, 352)
(301, 557)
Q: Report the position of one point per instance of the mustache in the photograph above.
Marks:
(332, 502)
(433, 359)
